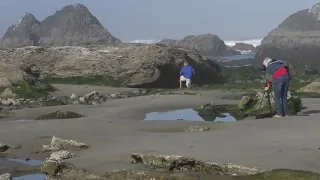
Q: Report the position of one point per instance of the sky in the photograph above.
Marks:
(158, 19)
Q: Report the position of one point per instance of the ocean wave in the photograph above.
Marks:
(145, 41)
(254, 42)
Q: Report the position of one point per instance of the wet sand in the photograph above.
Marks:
(115, 129)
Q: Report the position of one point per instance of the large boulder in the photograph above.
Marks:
(131, 64)
(72, 25)
(206, 44)
(296, 39)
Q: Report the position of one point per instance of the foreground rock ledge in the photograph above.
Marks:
(187, 164)
(167, 165)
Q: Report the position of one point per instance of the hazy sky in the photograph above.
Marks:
(158, 19)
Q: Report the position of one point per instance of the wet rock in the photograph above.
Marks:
(61, 155)
(60, 115)
(3, 147)
(51, 167)
(6, 176)
(59, 144)
(10, 101)
(7, 93)
(244, 102)
(186, 164)
(4, 114)
(197, 129)
(53, 102)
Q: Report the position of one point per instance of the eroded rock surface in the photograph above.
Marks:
(186, 164)
(60, 115)
(134, 65)
(61, 155)
(6, 176)
(59, 144)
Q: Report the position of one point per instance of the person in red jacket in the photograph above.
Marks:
(278, 75)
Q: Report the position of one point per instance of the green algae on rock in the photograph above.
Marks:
(187, 164)
(210, 112)
(60, 115)
(282, 174)
(252, 104)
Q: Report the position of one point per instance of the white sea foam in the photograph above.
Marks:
(254, 42)
(145, 41)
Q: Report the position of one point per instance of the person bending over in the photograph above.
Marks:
(186, 73)
(278, 75)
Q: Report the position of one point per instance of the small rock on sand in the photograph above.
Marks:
(59, 144)
(3, 147)
(6, 176)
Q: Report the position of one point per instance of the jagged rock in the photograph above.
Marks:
(60, 115)
(6, 176)
(10, 72)
(25, 33)
(3, 147)
(61, 155)
(72, 25)
(296, 39)
(207, 44)
(59, 144)
(9, 102)
(7, 93)
(5, 82)
(187, 164)
(197, 129)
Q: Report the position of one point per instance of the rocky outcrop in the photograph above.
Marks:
(60, 144)
(72, 25)
(188, 164)
(61, 155)
(251, 105)
(243, 47)
(60, 115)
(206, 44)
(297, 38)
(130, 64)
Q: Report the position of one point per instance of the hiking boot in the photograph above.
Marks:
(277, 116)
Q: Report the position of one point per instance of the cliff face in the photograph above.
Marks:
(72, 25)
(25, 33)
(206, 44)
(297, 38)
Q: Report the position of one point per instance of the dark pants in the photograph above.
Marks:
(281, 87)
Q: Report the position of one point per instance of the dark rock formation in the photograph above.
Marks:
(72, 25)
(206, 44)
(296, 39)
(244, 47)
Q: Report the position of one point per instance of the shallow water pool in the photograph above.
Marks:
(185, 115)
